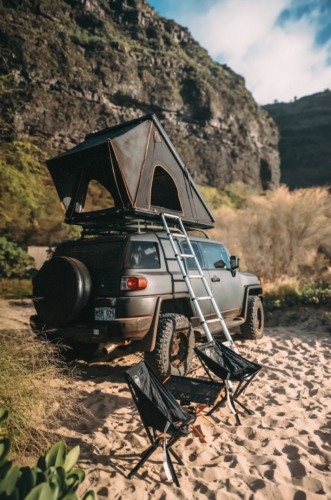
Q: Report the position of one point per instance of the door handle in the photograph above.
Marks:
(215, 278)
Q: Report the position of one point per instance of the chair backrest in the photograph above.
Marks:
(154, 402)
(221, 360)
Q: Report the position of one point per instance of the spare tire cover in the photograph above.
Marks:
(61, 290)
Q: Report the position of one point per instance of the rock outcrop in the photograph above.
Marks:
(81, 65)
(305, 145)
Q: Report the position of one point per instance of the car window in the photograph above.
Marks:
(190, 263)
(95, 256)
(215, 256)
(142, 255)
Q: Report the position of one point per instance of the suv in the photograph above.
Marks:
(126, 288)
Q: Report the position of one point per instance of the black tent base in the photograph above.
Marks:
(115, 217)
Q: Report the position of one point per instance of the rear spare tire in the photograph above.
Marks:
(252, 329)
(174, 346)
(61, 290)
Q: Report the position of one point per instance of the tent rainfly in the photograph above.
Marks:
(139, 171)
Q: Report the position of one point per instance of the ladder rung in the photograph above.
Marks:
(181, 236)
(202, 298)
(186, 256)
(212, 320)
(171, 216)
(195, 277)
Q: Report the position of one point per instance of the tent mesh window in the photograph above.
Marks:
(97, 197)
(164, 191)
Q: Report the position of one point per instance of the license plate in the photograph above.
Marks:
(104, 313)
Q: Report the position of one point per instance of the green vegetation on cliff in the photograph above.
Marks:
(80, 66)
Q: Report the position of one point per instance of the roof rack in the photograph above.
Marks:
(132, 225)
(127, 226)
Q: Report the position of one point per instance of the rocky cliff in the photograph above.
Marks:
(305, 145)
(81, 65)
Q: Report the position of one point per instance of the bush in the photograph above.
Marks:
(279, 234)
(14, 261)
(53, 478)
(312, 294)
(15, 288)
(36, 403)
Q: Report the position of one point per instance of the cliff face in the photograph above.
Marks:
(305, 145)
(82, 65)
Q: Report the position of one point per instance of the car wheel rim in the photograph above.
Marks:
(178, 349)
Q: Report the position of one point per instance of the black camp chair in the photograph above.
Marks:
(226, 364)
(159, 411)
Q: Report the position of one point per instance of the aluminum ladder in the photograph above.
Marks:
(187, 278)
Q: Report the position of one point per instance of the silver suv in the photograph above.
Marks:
(126, 288)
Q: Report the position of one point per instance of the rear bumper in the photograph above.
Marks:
(111, 331)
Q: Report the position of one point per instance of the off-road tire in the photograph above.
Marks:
(172, 331)
(252, 329)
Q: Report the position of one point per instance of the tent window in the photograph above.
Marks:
(97, 197)
(164, 191)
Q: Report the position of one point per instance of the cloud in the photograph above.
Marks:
(276, 44)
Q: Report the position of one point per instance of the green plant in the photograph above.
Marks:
(15, 288)
(36, 388)
(14, 261)
(312, 294)
(53, 478)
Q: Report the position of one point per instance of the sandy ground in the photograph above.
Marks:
(282, 452)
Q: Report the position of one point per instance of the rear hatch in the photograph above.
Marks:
(103, 258)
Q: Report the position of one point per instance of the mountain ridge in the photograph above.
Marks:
(82, 65)
(305, 146)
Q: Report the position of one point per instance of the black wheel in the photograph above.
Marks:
(61, 290)
(252, 329)
(174, 347)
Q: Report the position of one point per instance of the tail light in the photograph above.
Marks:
(133, 283)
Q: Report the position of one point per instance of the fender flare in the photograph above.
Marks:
(250, 290)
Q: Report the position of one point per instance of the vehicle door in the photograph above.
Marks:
(196, 283)
(226, 288)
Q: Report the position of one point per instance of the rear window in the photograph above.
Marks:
(142, 255)
(94, 255)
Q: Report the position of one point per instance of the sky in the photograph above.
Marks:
(281, 47)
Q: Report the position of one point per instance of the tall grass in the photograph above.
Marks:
(15, 288)
(35, 389)
(278, 234)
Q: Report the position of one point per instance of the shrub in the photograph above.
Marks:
(312, 294)
(14, 261)
(53, 478)
(279, 234)
(36, 403)
(15, 288)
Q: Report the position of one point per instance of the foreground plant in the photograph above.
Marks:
(53, 478)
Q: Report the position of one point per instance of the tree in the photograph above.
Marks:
(14, 261)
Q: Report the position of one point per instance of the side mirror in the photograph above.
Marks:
(234, 262)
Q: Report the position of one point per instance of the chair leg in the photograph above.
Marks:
(199, 433)
(172, 470)
(216, 407)
(145, 457)
(232, 406)
(250, 412)
(233, 409)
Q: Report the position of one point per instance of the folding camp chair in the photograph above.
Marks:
(202, 393)
(226, 364)
(159, 411)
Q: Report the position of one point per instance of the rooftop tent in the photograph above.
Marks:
(138, 174)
